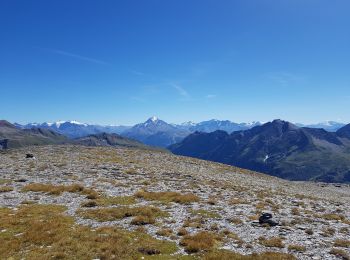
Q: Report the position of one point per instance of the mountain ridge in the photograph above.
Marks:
(278, 148)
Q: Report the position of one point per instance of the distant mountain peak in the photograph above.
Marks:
(153, 118)
(59, 123)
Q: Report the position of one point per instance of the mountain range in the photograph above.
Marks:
(156, 132)
(14, 137)
(74, 129)
(277, 148)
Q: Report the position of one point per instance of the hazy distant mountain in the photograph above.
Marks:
(278, 148)
(225, 125)
(330, 126)
(16, 137)
(74, 129)
(156, 132)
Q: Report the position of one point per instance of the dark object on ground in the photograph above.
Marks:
(266, 218)
(3, 144)
(29, 155)
(21, 180)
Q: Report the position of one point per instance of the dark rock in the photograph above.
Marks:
(21, 180)
(3, 144)
(266, 218)
(29, 155)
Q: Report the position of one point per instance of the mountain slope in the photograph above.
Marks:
(22, 137)
(105, 139)
(344, 131)
(278, 148)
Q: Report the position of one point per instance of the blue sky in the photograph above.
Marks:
(120, 62)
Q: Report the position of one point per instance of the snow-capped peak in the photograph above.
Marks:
(188, 123)
(59, 123)
(154, 118)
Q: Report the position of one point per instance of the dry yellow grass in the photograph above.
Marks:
(165, 232)
(59, 189)
(168, 196)
(44, 232)
(332, 216)
(342, 243)
(193, 222)
(297, 248)
(202, 241)
(182, 232)
(205, 213)
(5, 189)
(271, 242)
(117, 200)
(340, 253)
(229, 255)
(144, 214)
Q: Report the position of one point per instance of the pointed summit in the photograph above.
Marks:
(153, 119)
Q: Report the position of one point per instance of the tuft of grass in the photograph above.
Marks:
(295, 211)
(5, 189)
(229, 255)
(164, 232)
(143, 215)
(168, 196)
(271, 242)
(45, 232)
(236, 221)
(332, 216)
(143, 220)
(194, 222)
(328, 232)
(182, 232)
(4, 181)
(89, 204)
(237, 201)
(340, 253)
(297, 248)
(342, 243)
(59, 189)
(205, 213)
(202, 241)
(117, 200)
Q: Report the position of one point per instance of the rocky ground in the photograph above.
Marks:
(202, 208)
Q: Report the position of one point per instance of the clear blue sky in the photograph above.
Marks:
(120, 62)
